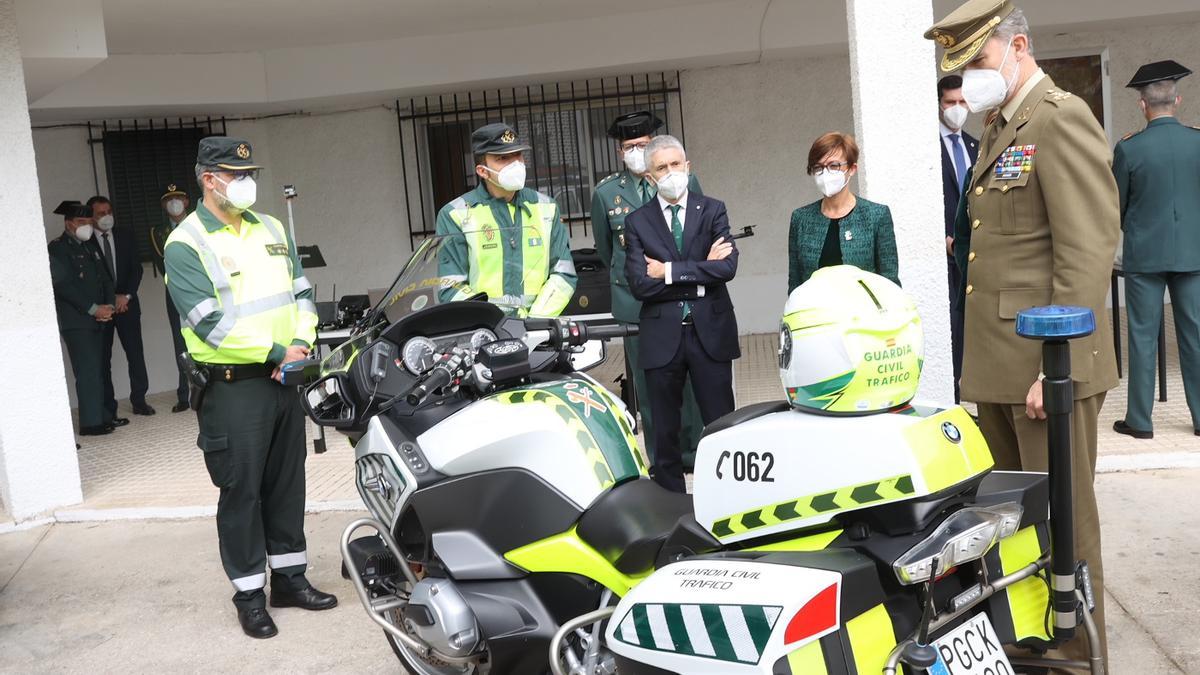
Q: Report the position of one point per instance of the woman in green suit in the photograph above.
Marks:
(841, 228)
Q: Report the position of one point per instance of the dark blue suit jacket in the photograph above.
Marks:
(951, 190)
(647, 233)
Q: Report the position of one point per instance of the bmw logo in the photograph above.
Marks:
(951, 432)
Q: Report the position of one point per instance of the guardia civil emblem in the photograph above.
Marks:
(243, 151)
(508, 136)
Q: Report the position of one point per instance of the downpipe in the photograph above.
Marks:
(556, 643)
(376, 608)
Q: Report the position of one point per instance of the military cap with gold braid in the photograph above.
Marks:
(231, 154)
(963, 33)
(172, 191)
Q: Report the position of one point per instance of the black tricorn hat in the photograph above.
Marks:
(634, 125)
(1157, 72)
(73, 209)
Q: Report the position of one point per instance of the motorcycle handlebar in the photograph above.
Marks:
(440, 376)
(594, 332)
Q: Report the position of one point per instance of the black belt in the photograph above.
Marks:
(218, 372)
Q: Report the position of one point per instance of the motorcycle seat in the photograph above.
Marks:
(629, 523)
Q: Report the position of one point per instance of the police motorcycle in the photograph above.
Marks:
(492, 470)
(847, 530)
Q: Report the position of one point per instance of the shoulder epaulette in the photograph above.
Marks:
(608, 178)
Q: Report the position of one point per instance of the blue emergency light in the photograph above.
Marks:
(1055, 322)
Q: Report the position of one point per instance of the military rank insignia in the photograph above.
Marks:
(1014, 161)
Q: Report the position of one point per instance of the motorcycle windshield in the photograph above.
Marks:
(505, 266)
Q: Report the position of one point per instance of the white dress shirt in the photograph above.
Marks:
(666, 210)
(949, 143)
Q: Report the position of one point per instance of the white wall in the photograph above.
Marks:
(749, 128)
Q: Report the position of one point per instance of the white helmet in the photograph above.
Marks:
(850, 343)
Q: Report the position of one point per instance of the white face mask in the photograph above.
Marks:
(511, 177)
(240, 192)
(955, 116)
(831, 182)
(83, 232)
(673, 185)
(105, 223)
(984, 88)
(175, 207)
(635, 160)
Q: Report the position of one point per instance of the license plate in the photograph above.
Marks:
(971, 649)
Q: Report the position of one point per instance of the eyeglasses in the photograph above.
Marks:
(241, 173)
(634, 146)
(818, 169)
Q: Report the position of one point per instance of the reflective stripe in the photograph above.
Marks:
(306, 305)
(220, 282)
(201, 311)
(270, 225)
(287, 560)
(221, 331)
(266, 304)
(253, 582)
(300, 284)
(564, 267)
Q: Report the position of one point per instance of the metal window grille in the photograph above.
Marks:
(141, 157)
(565, 123)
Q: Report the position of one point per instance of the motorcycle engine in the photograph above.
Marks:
(438, 614)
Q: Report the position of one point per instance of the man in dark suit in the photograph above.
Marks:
(121, 260)
(679, 258)
(959, 150)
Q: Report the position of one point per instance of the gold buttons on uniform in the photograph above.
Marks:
(1004, 189)
(975, 225)
(971, 256)
(970, 289)
(978, 190)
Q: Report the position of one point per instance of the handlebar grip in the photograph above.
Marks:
(592, 332)
(439, 377)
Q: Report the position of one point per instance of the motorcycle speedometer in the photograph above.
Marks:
(482, 337)
(418, 354)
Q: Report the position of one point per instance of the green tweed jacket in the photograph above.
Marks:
(866, 235)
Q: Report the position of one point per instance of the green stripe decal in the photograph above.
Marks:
(642, 623)
(717, 633)
(760, 629)
(683, 644)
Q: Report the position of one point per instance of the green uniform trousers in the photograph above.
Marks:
(252, 435)
(691, 424)
(1020, 444)
(85, 348)
(1144, 300)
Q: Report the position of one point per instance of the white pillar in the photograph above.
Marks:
(39, 470)
(894, 84)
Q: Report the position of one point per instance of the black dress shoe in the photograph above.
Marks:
(143, 409)
(99, 430)
(1122, 428)
(308, 598)
(118, 422)
(180, 407)
(257, 623)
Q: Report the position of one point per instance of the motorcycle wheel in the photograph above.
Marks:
(419, 666)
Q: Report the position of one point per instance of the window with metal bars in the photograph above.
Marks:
(565, 123)
(141, 158)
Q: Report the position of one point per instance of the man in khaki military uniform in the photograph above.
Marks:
(1045, 219)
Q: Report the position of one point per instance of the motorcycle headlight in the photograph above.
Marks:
(964, 536)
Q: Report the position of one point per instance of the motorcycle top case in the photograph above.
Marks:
(712, 615)
(791, 470)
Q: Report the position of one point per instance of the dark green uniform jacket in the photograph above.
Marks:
(866, 234)
(613, 199)
(80, 281)
(1158, 176)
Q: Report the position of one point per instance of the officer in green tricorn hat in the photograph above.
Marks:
(1044, 219)
(613, 199)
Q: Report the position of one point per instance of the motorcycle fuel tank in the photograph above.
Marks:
(791, 470)
(571, 433)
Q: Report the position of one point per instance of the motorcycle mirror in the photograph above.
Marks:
(326, 404)
(300, 373)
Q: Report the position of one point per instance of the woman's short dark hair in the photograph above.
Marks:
(832, 142)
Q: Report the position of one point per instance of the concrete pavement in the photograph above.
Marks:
(150, 596)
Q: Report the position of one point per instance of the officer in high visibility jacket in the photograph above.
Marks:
(247, 309)
(515, 249)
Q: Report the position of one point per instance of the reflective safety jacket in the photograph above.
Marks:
(517, 252)
(241, 295)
